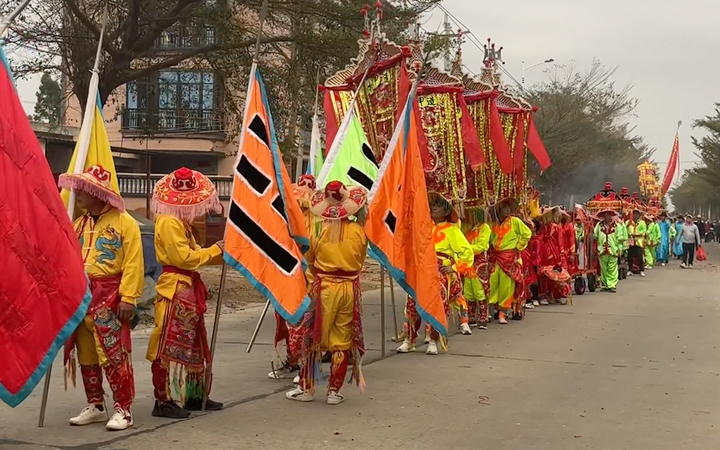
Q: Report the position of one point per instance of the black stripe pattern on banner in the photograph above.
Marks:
(252, 176)
(257, 126)
(391, 221)
(282, 258)
(279, 206)
(360, 178)
(367, 151)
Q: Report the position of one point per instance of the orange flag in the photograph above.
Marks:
(399, 226)
(265, 237)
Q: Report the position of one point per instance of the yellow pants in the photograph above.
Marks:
(89, 351)
(161, 306)
(337, 301)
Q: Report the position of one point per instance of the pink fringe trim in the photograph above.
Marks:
(71, 181)
(189, 213)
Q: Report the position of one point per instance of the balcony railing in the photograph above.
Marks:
(173, 121)
(135, 184)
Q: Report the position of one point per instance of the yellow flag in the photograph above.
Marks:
(98, 151)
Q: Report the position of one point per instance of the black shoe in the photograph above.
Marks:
(327, 357)
(196, 405)
(517, 316)
(170, 410)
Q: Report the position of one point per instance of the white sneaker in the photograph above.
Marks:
(91, 414)
(427, 339)
(642, 274)
(630, 274)
(432, 348)
(662, 264)
(121, 420)
(482, 326)
(529, 306)
(299, 395)
(406, 347)
(563, 301)
(536, 303)
(282, 373)
(683, 265)
(296, 380)
(544, 302)
(465, 329)
(335, 398)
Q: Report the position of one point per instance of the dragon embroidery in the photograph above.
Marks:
(108, 245)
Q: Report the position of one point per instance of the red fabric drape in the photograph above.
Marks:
(497, 137)
(519, 148)
(471, 140)
(536, 146)
(331, 124)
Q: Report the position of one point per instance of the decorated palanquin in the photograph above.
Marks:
(606, 199)
(381, 72)
(385, 71)
(648, 180)
(504, 123)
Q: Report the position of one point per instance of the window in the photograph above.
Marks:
(182, 101)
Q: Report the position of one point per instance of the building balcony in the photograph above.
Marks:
(135, 185)
(171, 121)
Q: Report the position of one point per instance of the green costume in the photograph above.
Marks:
(654, 235)
(637, 231)
(508, 239)
(609, 248)
(479, 239)
(579, 233)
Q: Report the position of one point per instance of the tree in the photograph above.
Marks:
(583, 120)
(49, 101)
(144, 37)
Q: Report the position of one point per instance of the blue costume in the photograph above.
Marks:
(662, 254)
(677, 245)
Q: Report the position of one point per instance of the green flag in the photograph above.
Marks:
(351, 159)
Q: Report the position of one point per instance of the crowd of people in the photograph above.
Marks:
(492, 265)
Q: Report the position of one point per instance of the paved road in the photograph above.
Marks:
(635, 370)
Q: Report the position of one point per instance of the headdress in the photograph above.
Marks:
(186, 194)
(96, 182)
(337, 201)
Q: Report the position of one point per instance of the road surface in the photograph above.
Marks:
(634, 370)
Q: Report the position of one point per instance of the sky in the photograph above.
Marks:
(666, 49)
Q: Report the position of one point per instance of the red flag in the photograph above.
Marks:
(672, 165)
(497, 137)
(43, 288)
(399, 226)
(536, 146)
(331, 123)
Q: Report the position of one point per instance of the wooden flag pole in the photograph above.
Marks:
(382, 311)
(83, 145)
(223, 275)
(257, 327)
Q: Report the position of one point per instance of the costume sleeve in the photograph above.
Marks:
(464, 255)
(310, 258)
(641, 229)
(672, 231)
(596, 231)
(523, 234)
(480, 239)
(178, 249)
(133, 268)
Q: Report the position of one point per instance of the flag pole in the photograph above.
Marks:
(83, 146)
(223, 275)
(382, 311)
(394, 309)
(7, 21)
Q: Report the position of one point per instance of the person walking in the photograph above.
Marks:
(690, 235)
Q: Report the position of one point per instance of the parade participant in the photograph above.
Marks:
(112, 251)
(652, 242)
(690, 236)
(568, 250)
(637, 230)
(677, 248)
(609, 248)
(303, 192)
(455, 257)
(178, 347)
(667, 236)
(530, 266)
(510, 236)
(338, 248)
(476, 283)
(549, 258)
